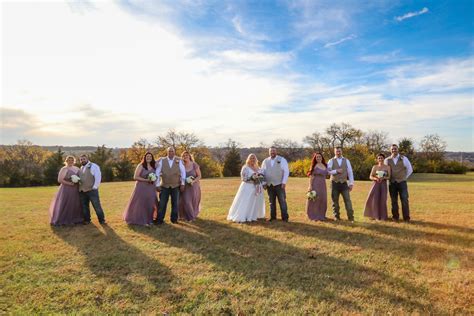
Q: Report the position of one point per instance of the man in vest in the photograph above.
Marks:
(401, 170)
(339, 183)
(276, 172)
(173, 176)
(89, 189)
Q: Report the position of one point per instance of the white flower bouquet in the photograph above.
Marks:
(380, 174)
(75, 179)
(152, 177)
(257, 178)
(312, 195)
(190, 180)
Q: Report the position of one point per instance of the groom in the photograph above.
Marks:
(173, 176)
(276, 172)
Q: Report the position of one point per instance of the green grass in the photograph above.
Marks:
(215, 267)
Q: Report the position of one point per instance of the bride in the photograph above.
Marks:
(249, 203)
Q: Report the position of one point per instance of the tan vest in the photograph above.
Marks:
(399, 171)
(273, 175)
(87, 180)
(170, 177)
(342, 177)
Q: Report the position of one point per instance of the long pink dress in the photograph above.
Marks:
(376, 204)
(190, 199)
(316, 210)
(139, 210)
(66, 206)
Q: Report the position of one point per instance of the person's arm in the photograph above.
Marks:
(182, 170)
(138, 171)
(385, 162)
(264, 166)
(350, 173)
(158, 172)
(408, 165)
(329, 166)
(95, 170)
(389, 173)
(372, 175)
(198, 172)
(286, 171)
(62, 175)
(243, 174)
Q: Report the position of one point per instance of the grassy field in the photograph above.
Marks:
(214, 267)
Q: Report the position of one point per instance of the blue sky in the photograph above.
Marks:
(251, 70)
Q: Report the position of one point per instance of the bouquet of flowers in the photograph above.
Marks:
(380, 174)
(312, 195)
(152, 177)
(257, 178)
(75, 179)
(190, 180)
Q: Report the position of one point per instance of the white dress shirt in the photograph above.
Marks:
(95, 171)
(349, 168)
(182, 170)
(283, 165)
(405, 161)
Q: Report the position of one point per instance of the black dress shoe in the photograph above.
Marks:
(285, 220)
(103, 223)
(272, 219)
(174, 222)
(86, 222)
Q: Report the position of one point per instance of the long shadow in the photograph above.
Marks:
(414, 234)
(112, 259)
(459, 229)
(278, 265)
(404, 248)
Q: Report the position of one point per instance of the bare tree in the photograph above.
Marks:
(315, 141)
(289, 149)
(344, 134)
(433, 147)
(376, 141)
(181, 141)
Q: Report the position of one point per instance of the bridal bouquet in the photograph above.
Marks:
(190, 180)
(257, 178)
(75, 179)
(380, 174)
(312, 195)
(152, 177)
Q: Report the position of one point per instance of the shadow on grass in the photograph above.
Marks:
(401, 244)
(278, 265)
(115, 261)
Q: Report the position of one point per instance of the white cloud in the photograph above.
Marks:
(342, 40)
(411, 14)
(391, 57)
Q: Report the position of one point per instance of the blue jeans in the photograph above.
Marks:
(275, 192)
(337, 189)
(93, 197)
(396, 189)
(164, 197)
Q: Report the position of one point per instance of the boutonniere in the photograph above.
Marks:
(278, 160)
(89, 166)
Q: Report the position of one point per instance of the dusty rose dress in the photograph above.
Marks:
(316, 210)
(139, 210)
(66, 208)
(190, 199)
(376, 204)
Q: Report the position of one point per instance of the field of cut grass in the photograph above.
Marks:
(213, 267)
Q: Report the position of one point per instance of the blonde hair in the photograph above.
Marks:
(248, 160)
(69, 157)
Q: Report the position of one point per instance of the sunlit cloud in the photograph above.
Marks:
(411, 14)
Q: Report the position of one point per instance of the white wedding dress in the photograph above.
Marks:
(249, 202)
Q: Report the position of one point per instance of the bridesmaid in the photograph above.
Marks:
(190, 199)
(140, 208)
(317, 174)
(376, 205)
(66, 206)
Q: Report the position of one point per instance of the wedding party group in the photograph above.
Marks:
(178, 179)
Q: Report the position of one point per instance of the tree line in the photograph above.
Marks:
(27, 164)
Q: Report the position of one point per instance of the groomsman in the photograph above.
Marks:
(89, 189)
(173, 176)
(339, 183)
(401, 170)
(276, 172)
